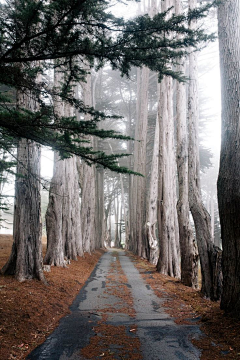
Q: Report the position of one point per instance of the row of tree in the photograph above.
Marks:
(51, 96)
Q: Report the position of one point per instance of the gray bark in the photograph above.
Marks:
(188, 248)
(100, 216)
(55, 250)
(229, 172)
(207, 251)
(138, 191)
(169, 258)
(151, 225)
(25, 261)
(117, 240)
(88, 203)
(64, 238)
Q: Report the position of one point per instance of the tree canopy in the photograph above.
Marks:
(71, 37)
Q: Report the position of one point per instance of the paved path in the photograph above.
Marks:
(116, 315)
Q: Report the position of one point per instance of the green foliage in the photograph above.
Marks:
(37, 37)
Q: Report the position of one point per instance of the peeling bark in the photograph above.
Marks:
(64, 237)
(188, 248)
(88, 203)
(151, 225)
(229, 172)
(202, 221)
(169, 257)
(25, 261)
(138, 188)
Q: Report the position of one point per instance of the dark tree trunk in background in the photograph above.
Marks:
(229, 173)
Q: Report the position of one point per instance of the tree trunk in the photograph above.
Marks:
(100, 216)
(25, 261)
(169, 257)
(153, 203)
(229, 173)
(55, 250)
(88, 203)
(124, 210)
(116, 213)
(138, 191)
(189, 255)
(64, 238)
(71, 227)
(211, 277)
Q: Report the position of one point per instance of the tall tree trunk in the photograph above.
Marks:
(169, 257)
(116, 213)
(71, 227)
(152, 200)
(55, 250)
(100, 216)
(229, 173)
(151, 224)
(72, 231)
(25, 261)
(88, 203)
(138, 192)
(188, 248)
(64, 238)
(123, 204)
(209, 254)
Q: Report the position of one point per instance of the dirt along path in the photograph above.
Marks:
(116, 315)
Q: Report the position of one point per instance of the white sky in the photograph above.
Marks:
(210, 82)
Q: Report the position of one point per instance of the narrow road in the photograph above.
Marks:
(116, 315)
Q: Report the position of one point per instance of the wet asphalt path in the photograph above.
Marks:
(160, 337)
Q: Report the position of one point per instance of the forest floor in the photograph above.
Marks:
(30, 311)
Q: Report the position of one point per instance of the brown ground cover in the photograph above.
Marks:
(30, 311)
